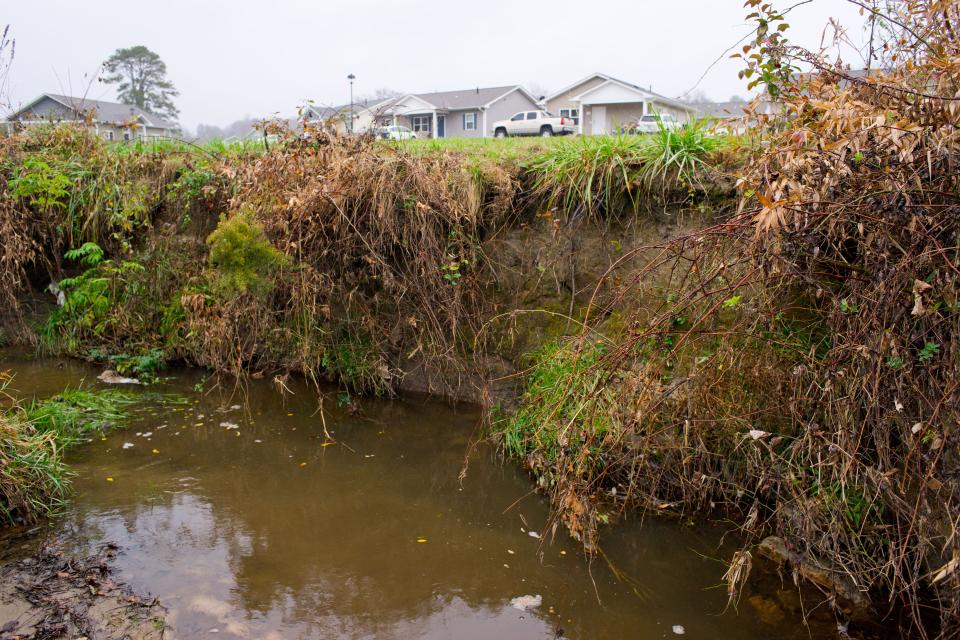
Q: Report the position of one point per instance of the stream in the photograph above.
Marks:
(236, 511)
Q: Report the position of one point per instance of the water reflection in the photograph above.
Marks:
(240, 520)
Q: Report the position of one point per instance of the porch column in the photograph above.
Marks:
(579, 118)
(434, 131)
(484, 134)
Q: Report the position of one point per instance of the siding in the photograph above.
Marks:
(504, 108)
(49, 109)
(563, 101)
(454, 126)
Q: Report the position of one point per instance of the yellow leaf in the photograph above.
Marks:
(421, 540)
(303, 464)
(109, 479)
(156, 451)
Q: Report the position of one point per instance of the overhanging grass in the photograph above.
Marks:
(34, 481)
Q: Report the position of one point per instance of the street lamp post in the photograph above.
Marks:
(351, 78)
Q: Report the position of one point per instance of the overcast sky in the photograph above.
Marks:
(236, 58)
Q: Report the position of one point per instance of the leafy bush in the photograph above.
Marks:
(245, 260)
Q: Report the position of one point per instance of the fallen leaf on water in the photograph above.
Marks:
(328, 444)
(533, 534)
(421, 540)
(303, 464)
(258, 441)
(127, 445)
(510, 551)
(156, 451)
(109, 479)
(289, 414)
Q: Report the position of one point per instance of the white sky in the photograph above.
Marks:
(236, 58)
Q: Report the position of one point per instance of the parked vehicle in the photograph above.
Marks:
(533, 123)
(651, 123)
(396, 132)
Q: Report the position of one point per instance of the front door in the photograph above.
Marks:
(599, 120)
(441, 126)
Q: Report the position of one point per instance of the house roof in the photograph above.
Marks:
(656, 96)
(468, 98)
(105, 111)
(721, 110)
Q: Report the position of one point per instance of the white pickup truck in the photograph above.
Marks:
(533, 123)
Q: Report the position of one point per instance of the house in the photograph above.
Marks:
(110, 120)
(467, 113)
(601, 104)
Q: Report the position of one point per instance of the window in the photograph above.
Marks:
(470, 122)
(573, 114)
(517, 117)
(421, 124)
(531, 115)
(108, 136)
(126, 136)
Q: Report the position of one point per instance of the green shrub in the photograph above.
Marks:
(245, 260)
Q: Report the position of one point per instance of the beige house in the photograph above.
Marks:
(600, 104)
(111, 121)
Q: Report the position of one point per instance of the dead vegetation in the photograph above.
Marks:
(799, 371)
(49, 595)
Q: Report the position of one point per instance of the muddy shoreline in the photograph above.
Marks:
(46, 593)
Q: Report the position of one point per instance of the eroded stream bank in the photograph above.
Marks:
(231, 510)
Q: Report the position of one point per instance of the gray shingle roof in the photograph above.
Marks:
(465, 98)
(105, 111)
(721, 110)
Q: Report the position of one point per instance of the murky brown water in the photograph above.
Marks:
(261, 531)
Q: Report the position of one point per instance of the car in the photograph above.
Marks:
(533, 123)
(396, 132)
(652, 122)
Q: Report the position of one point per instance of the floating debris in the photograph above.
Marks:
(112, 377)
(526, 602)
(127, 445)
(679, 630)
(421, 540)
(229, 425)
(533, 534)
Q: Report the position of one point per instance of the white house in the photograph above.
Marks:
(601, 104)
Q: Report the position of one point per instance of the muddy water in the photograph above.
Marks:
(246, 525)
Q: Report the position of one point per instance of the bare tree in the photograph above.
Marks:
(7, 50)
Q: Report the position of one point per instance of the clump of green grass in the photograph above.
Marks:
(75, 415)
(34, 480)
(33, 477)
(562, 406)
(590, 174)
(677, 156)
(600, 175)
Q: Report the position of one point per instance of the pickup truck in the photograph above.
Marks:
(533, 123)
